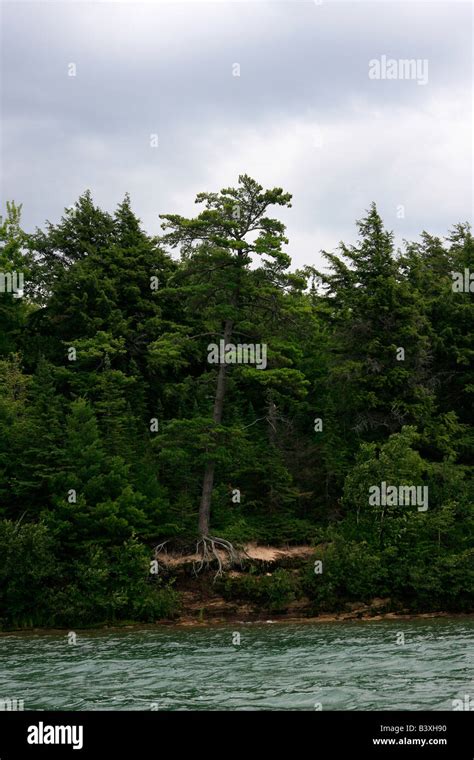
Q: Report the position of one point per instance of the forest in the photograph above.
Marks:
(192, 390)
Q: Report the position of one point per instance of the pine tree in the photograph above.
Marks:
(94, 502)
(37, 441)
(15, 280)
(217, 248)
(380, 373)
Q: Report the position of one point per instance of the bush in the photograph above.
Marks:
(104, 586)
(351, 571)
(282, 529)
(112, 585)
(355, 571)
(27, 570)
(273, 592)
(445, 584)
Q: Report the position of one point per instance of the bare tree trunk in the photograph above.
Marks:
(208, 480)
(272, 421)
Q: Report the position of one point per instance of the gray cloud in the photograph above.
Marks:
(303, 114)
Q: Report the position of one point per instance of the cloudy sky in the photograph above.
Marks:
(303, 114)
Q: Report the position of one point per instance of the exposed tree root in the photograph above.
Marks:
(159, 549)
(207, 548)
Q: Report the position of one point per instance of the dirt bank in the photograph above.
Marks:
(266, 586)
(251, 552)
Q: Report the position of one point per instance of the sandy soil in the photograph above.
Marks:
(250, 551)
(272, 554)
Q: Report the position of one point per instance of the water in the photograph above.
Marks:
(345, 666)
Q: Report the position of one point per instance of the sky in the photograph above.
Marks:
(165, 100)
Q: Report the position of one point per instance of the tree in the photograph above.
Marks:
(15, 279)
(94, 502)
(379, 376)
(217, 248)
(36, 442)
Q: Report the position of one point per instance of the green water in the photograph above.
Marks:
(345, 666)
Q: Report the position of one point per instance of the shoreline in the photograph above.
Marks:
(205, 605)
(192, 622)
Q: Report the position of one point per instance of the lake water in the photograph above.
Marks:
(345, 666)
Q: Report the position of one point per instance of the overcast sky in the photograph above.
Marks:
(303, 114)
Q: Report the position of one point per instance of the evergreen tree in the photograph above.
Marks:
(379, 376)
(217, 248)
(15, 280)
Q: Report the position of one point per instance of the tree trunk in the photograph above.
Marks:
(272, 421)
(208, 480)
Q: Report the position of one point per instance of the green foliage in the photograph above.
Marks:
(417, 582)
(27, 572)
(103, 449)
(350, 571)
(37, 588)
(272, 592)
(111, 585)
(393, 462)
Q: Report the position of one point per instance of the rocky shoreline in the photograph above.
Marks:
(234, 597)
(204, 601)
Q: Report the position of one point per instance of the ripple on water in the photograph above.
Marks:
(345, 666)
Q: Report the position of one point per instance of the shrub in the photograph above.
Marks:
(273, 592)
(27, 569)
(105, 585)
(109, 586)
